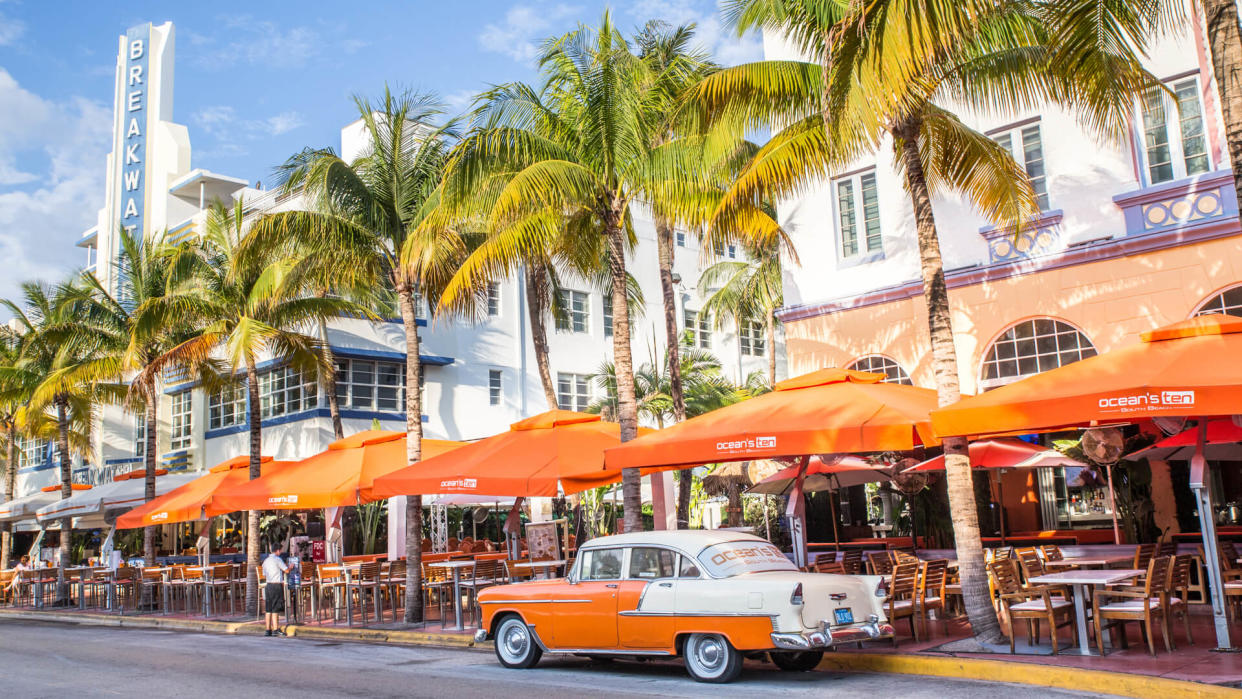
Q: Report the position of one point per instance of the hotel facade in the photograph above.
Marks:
(1132, 235)
(479, 376)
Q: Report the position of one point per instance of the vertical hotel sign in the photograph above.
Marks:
(135, 97)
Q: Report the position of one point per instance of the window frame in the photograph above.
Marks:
(572, 404)
(750, 334)
(140, 436)
(885, 362)
(580, 564)
(1060, 327)
(495, 387)
(493, 299)
(698, 324)
(608, 316)
(860, 239)
(1173, 130)
(181, 421)
(1016, 135)
(308, 392)
(574, 303)
(1202, 308)
(347, 387)
(236, 404)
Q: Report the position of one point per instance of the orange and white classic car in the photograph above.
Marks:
(711, 597)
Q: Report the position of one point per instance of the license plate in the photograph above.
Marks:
(843, 616)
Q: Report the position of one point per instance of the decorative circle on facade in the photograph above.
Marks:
(880, 364)
(1031, 347)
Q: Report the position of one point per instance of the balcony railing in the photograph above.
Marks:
(1186, 204)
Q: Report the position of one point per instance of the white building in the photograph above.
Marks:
(479, 378)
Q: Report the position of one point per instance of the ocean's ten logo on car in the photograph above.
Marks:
(283, 500)
(1139, 402)
(159, 516)
(463, 483)
(746, 445)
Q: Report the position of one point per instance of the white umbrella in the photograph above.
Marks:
(90, 508)
(23, 508)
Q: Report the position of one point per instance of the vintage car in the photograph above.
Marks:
(711, 597)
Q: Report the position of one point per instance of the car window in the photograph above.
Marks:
(649, 562)
(688, 569)
(736, 557)
(601, 564)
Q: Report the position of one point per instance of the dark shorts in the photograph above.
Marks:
(274, 598)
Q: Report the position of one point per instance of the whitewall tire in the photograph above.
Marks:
(515, 644)
(710, 658)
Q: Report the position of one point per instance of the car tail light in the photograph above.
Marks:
(796, 597)
(881, 590)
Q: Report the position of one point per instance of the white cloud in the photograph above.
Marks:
(725, 46)
(251, 42)
(44, 212)
(458, 102)
(10, 29)
(282, 123)
(523, 29)
(221, 122)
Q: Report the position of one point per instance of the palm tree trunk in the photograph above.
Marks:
(1221, 19)
(148, 457)
(413, 454)
(66, 491)
(329, 383)
(255, 418)
(10, 490)
(536, 308)
(771, 337)
(623, 363)
(666, 252)
(975, 594)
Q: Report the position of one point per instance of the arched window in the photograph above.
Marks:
(1030, 347)
(1228, 301)
(880, 364)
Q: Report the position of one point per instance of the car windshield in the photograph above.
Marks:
(737, 557)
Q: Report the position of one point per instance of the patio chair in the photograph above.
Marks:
(902, 597)
(931, 590)
(185, 584)
(1034, 604)
(217, 583)
(328, 584)
(1142, 556)
(852, 560)
(1032, 566)
(366, 584)
(828, 566)
(516, 573)
(880, 563)
(1177, 602)
(394, 581)
(453, 544)
(1053, 558)
(487, 572)
(1166, 548)
(1146, 606)
(124, 588)
(1002, 553)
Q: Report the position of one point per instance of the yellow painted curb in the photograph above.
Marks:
(1053, 676)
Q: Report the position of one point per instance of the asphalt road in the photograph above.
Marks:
(40, 659)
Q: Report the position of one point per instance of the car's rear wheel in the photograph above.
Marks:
(797, 661)
(710, 658)
(515, 644)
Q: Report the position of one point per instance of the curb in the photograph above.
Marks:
(1052, 676)
(253, 628)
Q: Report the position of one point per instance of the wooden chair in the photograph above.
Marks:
(1142, 556)
(1053, 558)
(222, 581)
(1166, 548)
(1002, 553)
(932, 580)
(853, 562)
(328, 584)
(487, 572)
(880, 563)
(394, 585)
(827, 566)
(1177, 601)
(366, 584)
(124, 587)
(516, 573)
(1035, 605)
(902, 596)
(1146, 606)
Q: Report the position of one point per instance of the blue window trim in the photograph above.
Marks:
(861, 258)
(343, 352)
(310, 415)
(38, 467)
(126, 460)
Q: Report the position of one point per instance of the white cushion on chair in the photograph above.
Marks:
(1131, 606)
(1037, 605)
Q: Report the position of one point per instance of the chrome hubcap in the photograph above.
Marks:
(514, 640)
(709, 653)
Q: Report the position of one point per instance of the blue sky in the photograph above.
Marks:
(255, 82)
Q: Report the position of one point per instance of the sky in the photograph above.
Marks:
(255, 82)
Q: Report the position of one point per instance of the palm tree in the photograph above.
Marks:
(745, 291)
(377, 218)
(875, 80)
(570, 159)
(1221, 20)
(142, 341)
(67, 368)
(244, 300)
(13, 396)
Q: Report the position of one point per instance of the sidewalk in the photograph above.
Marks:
(1190, 671)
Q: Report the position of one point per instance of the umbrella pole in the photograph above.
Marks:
(1207, 527)
(796, 512)
(513, 529)
(1000, 502)
(832, 508)
(1112, 503)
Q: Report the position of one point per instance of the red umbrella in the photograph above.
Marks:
(835, 473)
(1222, 444)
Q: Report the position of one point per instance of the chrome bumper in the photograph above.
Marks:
(480, 635)
(826, 638)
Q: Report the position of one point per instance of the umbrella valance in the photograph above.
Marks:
(23, 508)
(195, 500)
(122, 494)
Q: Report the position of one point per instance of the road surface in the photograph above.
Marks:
(41, 659)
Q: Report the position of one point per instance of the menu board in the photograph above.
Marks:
(541, 541)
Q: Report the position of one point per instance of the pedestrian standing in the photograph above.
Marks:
(274, 569)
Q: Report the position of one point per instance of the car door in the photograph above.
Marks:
(586, 616)
(652, 573)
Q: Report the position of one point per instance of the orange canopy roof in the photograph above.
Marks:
(1187, 369)
(830, 411)
(196, 499)
(530, 460)
(340, 476)
(72, 486)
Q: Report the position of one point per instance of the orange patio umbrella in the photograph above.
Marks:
(830, 411)
(196, 500)
(342, 475)
(1189, 369)
(555, 451)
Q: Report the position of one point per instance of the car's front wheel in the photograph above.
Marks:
(797, 661)
(710, 658)
(515, 644)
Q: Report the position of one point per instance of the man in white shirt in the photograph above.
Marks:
(274, 569)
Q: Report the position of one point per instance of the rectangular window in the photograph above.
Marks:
(577, 312)
(573, 391)
(494, 386)
(1030, 155)
(858, 214)
(181, 416)
(140, 436)
(750, 334)
(722, 250)
(607, 315)
(227, 407)
(34, 452)
(699, 327)
(681, 239)
(363, 384)
(285, 391)
(493, 299)
(1174, 141)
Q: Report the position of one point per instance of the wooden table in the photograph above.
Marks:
(541, 565)
(1093, 561)
(456, 567)
(1079, 580)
